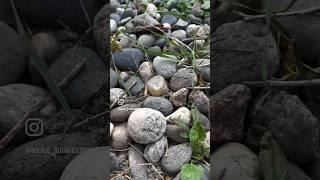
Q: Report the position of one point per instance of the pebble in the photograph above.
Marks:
(153, 152)
(125, 13)
(114, 162)
(182, 115)
(69, 12)
(87, 82)
(176, 157)
(114, 4)
(235, 161)
(88, 165)
(283, 110)
(157, 86)
(250, 36)
(152, 10)
(179, 34)
(137, 171)
(179, 98)
(165, 67)
(160, 42)
(125, 21)
(144, 20)
(111, 128)
(127, 42)
(176, 133)
(192, 30)
(113, 78)
(117, 93)
(203, 65)
(203, 31)
(48, 49)
(181, 24)
(115, 17)
(18, 99)
(122, 113)
(13, 56)
(230, 107)
(160, 104)
(168, 18)
(124, 75)
(146, 71)
(146, 125)
(113, 26)
(200, 99)
(155, 49)
(128, 59)
(183, 78)
(120, 138)
(134, 84)
(205, 121)
(146, 40)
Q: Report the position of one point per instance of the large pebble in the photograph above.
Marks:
(176, 157)
(146, 71)
(146, 125)
(128, 59)
(153, 152)
(46, 13)
(33, 160)
(244, 51)
(157, 86)
(145, 20)
(137, 171)
(179, 98)
(13, 56)
(183, 78)
(192, 30)
(88, 165)
(122, 113)
(87, 82)
(134, 84)
(120, 137)
(146, 40)
(165, 67)
(235, 161)
(293, 126)
(159, 103)
(200, 99)
(182, 115)
(228, 111)
(18, 99)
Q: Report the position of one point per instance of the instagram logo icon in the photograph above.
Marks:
(34, 127)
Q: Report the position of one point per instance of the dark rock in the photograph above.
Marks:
(159, 103)
(134, 84)
(170, 19)
(128, 59)
(183, 78)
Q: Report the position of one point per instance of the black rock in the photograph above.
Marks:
(128, 59)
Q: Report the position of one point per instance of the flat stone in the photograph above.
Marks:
(165, 67)
(159, 103)
(128, 59)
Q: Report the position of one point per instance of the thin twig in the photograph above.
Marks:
(301, 83)
(247, 17)
(38, 106)
(198, 87)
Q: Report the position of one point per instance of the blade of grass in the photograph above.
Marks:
(39, 63)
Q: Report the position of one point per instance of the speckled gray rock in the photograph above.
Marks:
(153, 152)
(13, 57)
(157, 86)
(88, 165)
(200, 99)
(127, 42)
(179, 98)
(146, 125)
(48, 49)
(243, 50)
(235, 161)
(203, 31)
(159, 103)
(116, 94)
(176, 133)
(146, 71)
(192, 30)
(228, 110)
(137, 171)
(292, 124)
(176, 157)
(122, 113)
(128, 59)
(170, 19)
(183, 78)
(165, 67)
(128, 12)
(203, 65)
(87, 82)
(113, 78)
(18, 99)
(120, 138)
(179, 34)
(146, 40)
(134, 84)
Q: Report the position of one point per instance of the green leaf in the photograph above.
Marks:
(197, 133)
(191, 172)
(206, 5)
(273, 161)
(184, 5)
(39, 63)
